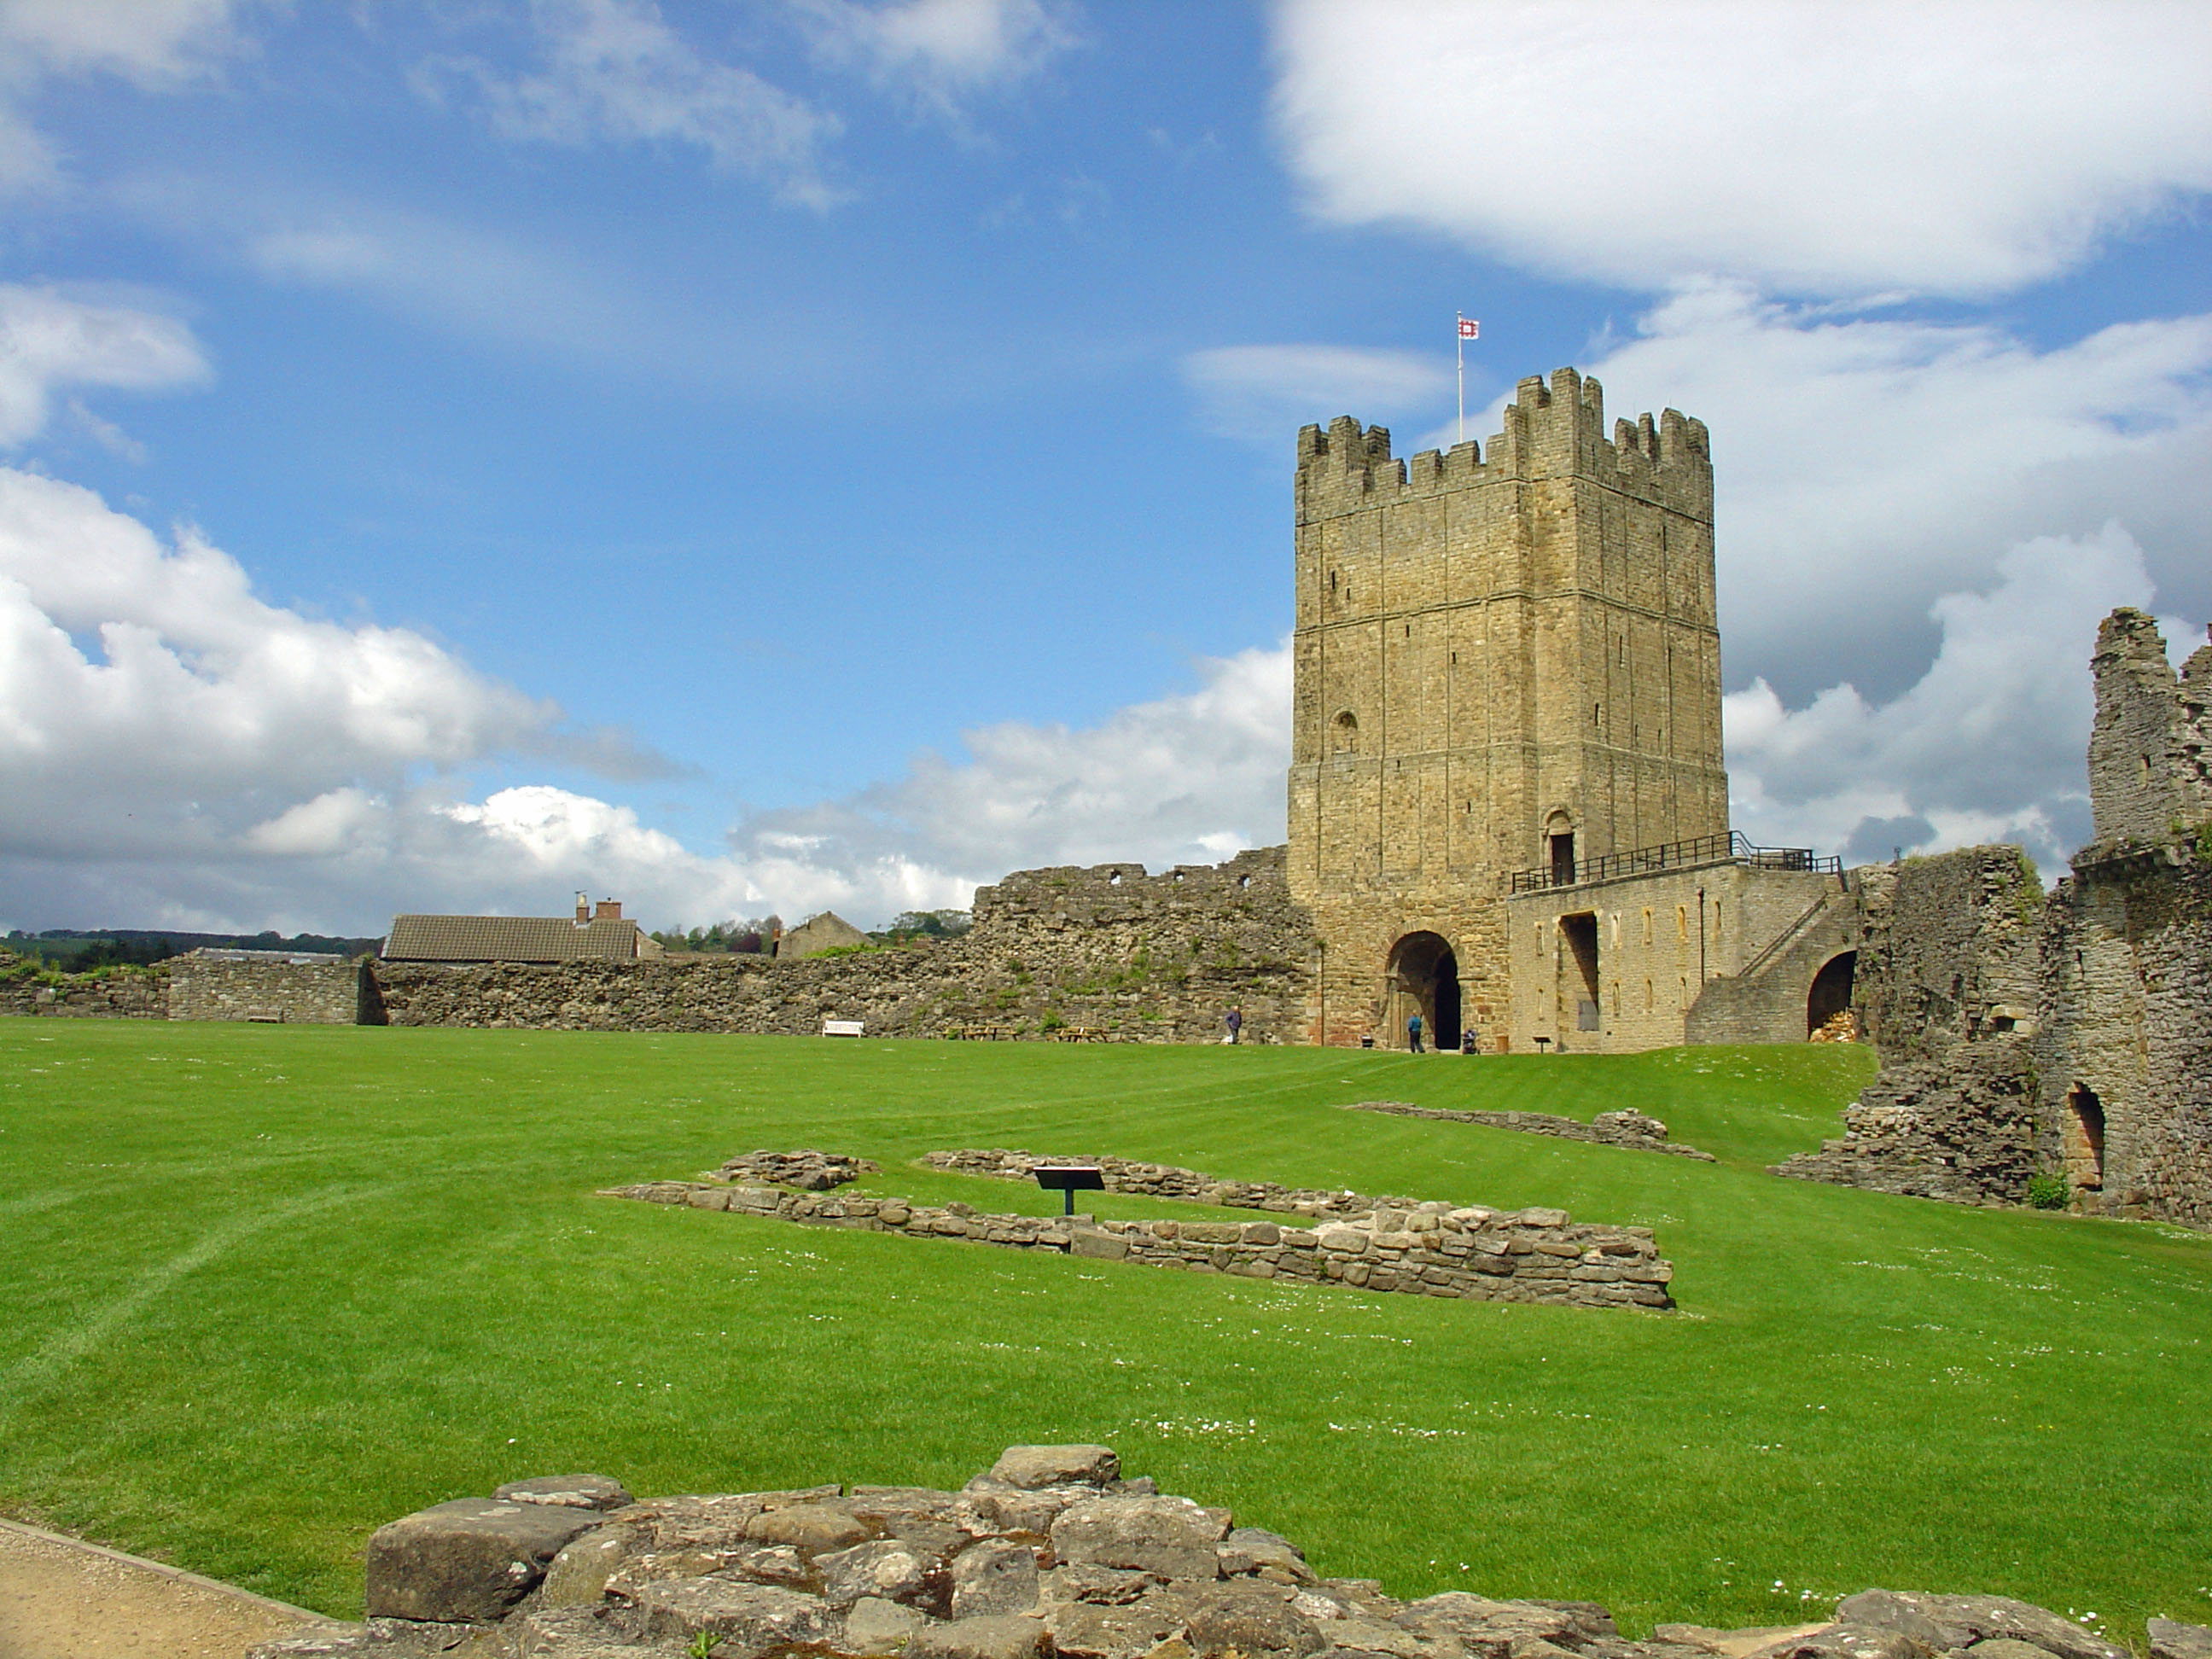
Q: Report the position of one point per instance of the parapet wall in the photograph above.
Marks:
(1550, 431)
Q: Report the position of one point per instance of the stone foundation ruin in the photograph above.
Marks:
(1380, 1245)
(1050, 1552)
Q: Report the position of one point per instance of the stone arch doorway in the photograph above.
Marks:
(1832, 991)
(2085, 1141)
(1424, 978)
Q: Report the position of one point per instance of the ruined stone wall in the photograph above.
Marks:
(1952, 950)
(1109, 951)
(2126, 1051)
(266, 986)
(2150, 773)
(2071, 1037)
(1489, 650)
(110, 994)
(1468, 1253)
(1052, 1551)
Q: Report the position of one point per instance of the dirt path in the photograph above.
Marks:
(62, 1599)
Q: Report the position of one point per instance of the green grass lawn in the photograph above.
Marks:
(264, 1288)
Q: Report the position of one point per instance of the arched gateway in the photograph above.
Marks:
(1424, 977)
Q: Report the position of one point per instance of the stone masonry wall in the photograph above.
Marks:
(1109, 951)
(266, 985)
(1433, 1249)
(2127, 1002)
(2069, 1037)
(1051, 1553)
(1952, 948)
(111, 994)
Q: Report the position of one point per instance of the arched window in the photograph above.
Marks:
(1345, 733)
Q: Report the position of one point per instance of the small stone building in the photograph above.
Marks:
(597, 933)
(817, 935)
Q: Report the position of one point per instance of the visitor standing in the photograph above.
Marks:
(1413, 1034)
(1236, 1024)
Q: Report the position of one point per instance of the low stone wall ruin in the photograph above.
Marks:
(1050, 1553)
(1108, 952)
(1626, 1128)
(1432, 1248)
(111, 994)
(1963, 1132)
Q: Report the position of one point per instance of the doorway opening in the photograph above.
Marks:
(1424, 979)
(1579, 986)
(2085, 1140)
(1832, 991)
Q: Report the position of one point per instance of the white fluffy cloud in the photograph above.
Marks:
(50, 343)
(941, 50)
(1822, 146)
(179, 752)
(1865, 466)
(150, 703)
(154, 44)
(1259, 393)
(614, 70)
(1987, 745)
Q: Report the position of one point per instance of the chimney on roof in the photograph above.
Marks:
(583, 910)
(609, 910)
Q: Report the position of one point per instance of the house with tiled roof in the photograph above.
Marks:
(596, 934)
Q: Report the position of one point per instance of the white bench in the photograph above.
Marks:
(842, 1028)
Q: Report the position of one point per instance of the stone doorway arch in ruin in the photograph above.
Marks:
(1423, 975)
(1832, 990)
(2085, 1141)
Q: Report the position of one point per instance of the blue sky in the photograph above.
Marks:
(785, 453)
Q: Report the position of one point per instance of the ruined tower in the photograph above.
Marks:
(1502, 662)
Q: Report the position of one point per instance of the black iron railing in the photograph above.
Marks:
(1734, 848)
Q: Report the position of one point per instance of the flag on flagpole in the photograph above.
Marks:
(1469, 329)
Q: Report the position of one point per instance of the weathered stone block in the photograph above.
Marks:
(1170, 1536)
(472, 1559)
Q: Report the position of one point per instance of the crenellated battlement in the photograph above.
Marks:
(1549, 430)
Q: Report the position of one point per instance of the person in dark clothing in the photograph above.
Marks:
(1413, 1034)
(1236, 1024)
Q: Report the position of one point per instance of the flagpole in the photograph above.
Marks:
(1460, 338)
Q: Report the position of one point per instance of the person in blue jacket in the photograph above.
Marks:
(1413, 1033)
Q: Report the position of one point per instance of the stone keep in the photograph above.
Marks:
(1501, 661)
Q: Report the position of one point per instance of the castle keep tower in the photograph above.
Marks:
(1502, 662)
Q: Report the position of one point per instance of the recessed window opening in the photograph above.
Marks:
(1346, 726)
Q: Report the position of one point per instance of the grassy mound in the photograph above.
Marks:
(262, 1289)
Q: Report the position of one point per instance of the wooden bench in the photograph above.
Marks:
(843, 1028)
(982, 1034)
(1078, 1034)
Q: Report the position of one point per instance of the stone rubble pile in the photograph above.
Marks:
(1431, 1249)
(1629, 1128)
(811, 1171)
(1050, 1553)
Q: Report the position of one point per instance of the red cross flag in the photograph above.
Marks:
(1469, 329)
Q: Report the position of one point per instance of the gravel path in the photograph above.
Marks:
(63, 1599)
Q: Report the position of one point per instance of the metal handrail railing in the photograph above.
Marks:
(1734, 848)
